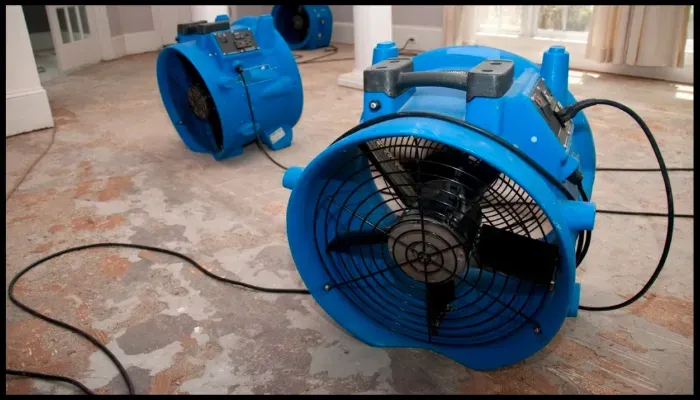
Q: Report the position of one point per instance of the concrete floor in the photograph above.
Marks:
(119, 172)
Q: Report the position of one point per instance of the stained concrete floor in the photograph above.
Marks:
(119, 172)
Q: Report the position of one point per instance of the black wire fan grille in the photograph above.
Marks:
(434, 243)
(194, 103)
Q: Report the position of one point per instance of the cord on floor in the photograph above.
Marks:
(92, 339)
(334, 50)
(31, 167)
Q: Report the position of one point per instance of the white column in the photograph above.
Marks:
(208, 13)
(371, 25)
(26, 103)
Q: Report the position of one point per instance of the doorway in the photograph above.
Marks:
(41, 41)
(62, 38)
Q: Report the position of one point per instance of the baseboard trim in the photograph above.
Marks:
(342, 33)
(426, 37)
(430, 37)
(142, 42)
(26, 111)
(118, 46)
(353, 80)
(532, 49)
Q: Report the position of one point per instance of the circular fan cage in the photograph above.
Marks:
(193, 102)
(292, 22)
(404, 250)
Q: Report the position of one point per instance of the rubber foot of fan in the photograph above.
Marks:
(291, 177)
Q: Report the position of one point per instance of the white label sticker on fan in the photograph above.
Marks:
(276, 135)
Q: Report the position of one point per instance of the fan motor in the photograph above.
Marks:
(199, 101)
(423, 260)
(226, 85)
(435, 222)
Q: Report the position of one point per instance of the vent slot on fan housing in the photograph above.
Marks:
(304, 27)
(416, 230)
(220, 78)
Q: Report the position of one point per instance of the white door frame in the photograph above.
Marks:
(75, 53)
(104, 33)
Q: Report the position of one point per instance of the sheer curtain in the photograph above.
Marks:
(459, 25)
(645, 36)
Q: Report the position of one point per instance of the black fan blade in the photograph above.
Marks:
(437, 297)
(514, 255)
(393, 172)
(347, 240)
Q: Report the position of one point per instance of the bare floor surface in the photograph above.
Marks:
(119, 172)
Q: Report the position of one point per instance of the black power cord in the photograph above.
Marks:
(239, 70)
(92, 339)
(570, 112)
(584, 241)
(332, 50)
(582, 245)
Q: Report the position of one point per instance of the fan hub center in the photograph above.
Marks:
(422, 257)
(427, 252)
(298, 22)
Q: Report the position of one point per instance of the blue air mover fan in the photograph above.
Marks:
(446, 219)
(304, 27)
(226, 86)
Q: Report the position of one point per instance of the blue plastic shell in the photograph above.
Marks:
(512, 117)
(320, 26)
(273, 80)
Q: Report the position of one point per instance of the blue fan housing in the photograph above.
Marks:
(205, 96)
(304, 27)
(375, 311)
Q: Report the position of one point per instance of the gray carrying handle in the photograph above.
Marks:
(394, 76)
(453, 79)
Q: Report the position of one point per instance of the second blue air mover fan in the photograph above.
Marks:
(304, 27)
(446, 220)
(225, 86)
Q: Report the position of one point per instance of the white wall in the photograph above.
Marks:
(132, 30)
(26, 103)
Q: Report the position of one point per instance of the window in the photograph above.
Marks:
(560, 22)
(566, 22)
(500, 19)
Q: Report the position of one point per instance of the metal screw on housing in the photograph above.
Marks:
(537, 330)
(327, 287)
(374, 105)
